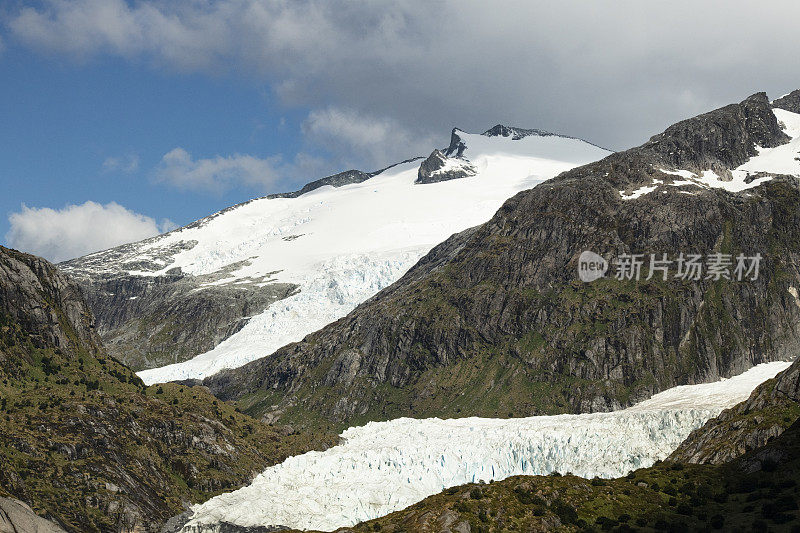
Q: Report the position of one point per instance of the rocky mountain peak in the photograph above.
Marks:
(726, 137)
(457, 144)
(515, 133)
(438, 167)
(790, 102)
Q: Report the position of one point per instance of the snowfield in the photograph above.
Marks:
(342, 245)
(384, 467)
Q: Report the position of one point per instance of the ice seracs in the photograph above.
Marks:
(383, 467)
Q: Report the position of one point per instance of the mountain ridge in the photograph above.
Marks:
(193, 292)
(503, 297)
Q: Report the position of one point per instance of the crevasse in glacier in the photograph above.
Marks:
(386, 466)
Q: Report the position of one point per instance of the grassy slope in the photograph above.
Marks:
(84, 442)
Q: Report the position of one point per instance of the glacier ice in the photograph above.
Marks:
(342, 245)
(386, 466)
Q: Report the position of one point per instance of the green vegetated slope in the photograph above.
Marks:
(84, 442)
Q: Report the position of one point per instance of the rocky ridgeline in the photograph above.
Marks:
(494, 321)
(790, 102)
(83, 442)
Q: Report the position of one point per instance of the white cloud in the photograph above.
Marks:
(612, 72)
(76, 230)
(127, 164)
(364, 139)
(217, 174)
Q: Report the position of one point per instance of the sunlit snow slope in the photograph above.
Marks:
(387, 466)
(342, 245)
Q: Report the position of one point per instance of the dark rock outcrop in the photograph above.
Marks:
(336, 180)
(790, 102)
(771, 408)
(347, 177)
(494, 321)
(515, 133)
(438, 167)
(457, 145)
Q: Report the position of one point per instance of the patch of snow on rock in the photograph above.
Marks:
(784, 159)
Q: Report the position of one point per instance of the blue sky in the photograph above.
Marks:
(76, 132)
(123, 118)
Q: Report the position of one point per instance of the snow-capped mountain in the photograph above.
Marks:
(311, 256)
(496, 320)
(383, 467)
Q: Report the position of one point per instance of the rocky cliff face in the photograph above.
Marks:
(438, 167)
(790, 102)
(83, 442)
(494, 321)
(773, 407)
(152, 321)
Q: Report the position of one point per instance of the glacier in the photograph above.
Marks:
(342, 245)
(383, 467)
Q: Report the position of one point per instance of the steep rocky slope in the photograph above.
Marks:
(494, 322)
(790, 102)
(773, 406)
(83, 441)
(151, 321)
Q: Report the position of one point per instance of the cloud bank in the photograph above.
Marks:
(76, 230)
(217, 174)
(613, 73)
